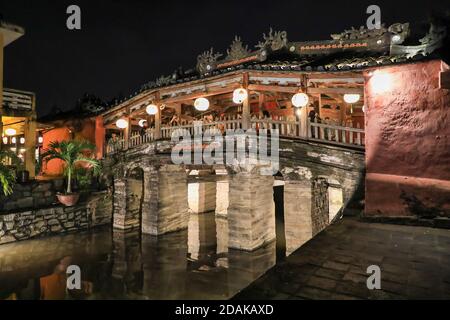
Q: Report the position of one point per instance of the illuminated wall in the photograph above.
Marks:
(407, 141)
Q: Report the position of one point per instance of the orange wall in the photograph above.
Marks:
(54, 167)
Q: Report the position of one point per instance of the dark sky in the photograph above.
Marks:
(124, 44)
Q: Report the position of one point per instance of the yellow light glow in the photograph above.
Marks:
(239, 95)
(10, 132)
(300, 100)
(122, 124)
(351, 98)
(201, 104)
(152, 109)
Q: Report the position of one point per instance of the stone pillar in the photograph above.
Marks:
(320, 205)
(222, 201)
(123, 218)
(202, 196)
(251, 214)
(165, 206)
(297, 213)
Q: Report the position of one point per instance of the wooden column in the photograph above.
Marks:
(30, 141)
(1, 89)
(126, 132)
(246, 104)
(320, 106)
(99, 137)
(157, 118)
(261, 103)
(304, 122)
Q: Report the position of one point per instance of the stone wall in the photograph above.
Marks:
(33, 194)
(407, 141)
(97, 210)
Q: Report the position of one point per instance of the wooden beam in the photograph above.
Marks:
(196, 95)
(273, 88)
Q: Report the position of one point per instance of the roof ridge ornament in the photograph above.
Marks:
(274, 40)
(237, 49)
(206, 61)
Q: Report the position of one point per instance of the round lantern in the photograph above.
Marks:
(201, 104)
(10, 132)
(122, 124)
(22, 140)
(300, 100)
(351, 98)
(5, 140)
(142, 123)
(152, 109)
(239, 95)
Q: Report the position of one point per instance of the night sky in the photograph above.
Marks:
(124, 44)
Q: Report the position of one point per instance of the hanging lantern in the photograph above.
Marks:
(142, 123)
(122, 124)
(300, 100)
(239, 95)
(201, 104)
(40, 139)
(13, 140)
(22, 140)
(5, 140)
(351, 98)
(10, 132)
(152, 109)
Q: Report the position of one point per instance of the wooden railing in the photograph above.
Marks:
(287, 128)
(17, 100)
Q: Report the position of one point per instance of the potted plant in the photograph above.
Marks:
(71, 153)
(7, 174)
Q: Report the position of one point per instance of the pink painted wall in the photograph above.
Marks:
(407, 140)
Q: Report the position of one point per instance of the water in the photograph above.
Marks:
(190, 264)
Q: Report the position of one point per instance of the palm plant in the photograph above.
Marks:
(71, 153)
(7, 175)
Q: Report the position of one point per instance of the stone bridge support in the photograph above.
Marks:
(251, 212)
(165, 207)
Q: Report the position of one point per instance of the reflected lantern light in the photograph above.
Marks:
(300, 100)
(122, 124)
(201, 104)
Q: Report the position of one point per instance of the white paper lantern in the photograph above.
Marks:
(22, 140)
(201, 104)
(122, 124)
(351, 98)
(5, 140)
(300, 100)
(142, 123)
(152, 109)
(239, 95)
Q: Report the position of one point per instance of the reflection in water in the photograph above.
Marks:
(191, 264)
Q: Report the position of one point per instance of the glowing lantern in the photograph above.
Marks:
(40, 139)
(22, 140)
(239, 95)
(142, 123)
(5, 140)
(351, 98)
(10, 131)
(201, 104)
(300, 100)
(13, 140)
(152, 109)
(122, 124)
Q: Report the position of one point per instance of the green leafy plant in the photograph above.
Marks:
(7, 174)
(72, 153)
(83, 177)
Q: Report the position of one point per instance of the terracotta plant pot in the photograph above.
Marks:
(68, 200)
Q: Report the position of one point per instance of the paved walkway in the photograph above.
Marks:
(414, 262)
